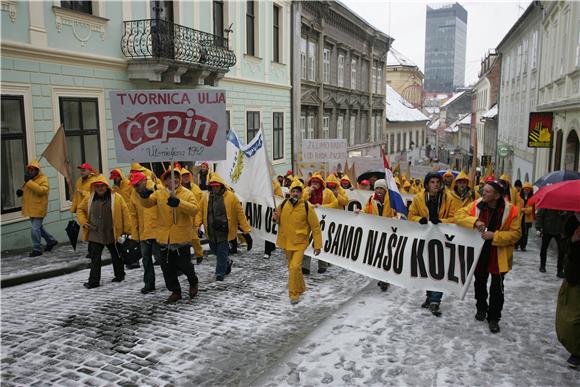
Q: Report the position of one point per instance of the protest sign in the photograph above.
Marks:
(324, 150)
(429, 257)
(169, 125)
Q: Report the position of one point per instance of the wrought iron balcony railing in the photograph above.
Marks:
(160, 39)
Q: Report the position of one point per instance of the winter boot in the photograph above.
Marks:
(50, 245)
(146, 290)
(174, 297)
(560, 274)
(574, 361)
(229, 268)
(199, 260)
(118, 279)
(493, 326)
(305, 271)
(321, 270)
(542, 269)
(35, 253)
(193, 291)
(383, 285)
(434, 309)
(266, 256)
(90, 286)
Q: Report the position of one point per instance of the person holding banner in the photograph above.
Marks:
(461, 191)
(222, 214)
(345, 183)
(318, 195)
(144, 228)
(136, 167)
(34, 195)
(499, 223)
(333, 184)
(176, 209)
(187, 182)
(104, 217)
(82, 185)
(297, 221)
(433, 205)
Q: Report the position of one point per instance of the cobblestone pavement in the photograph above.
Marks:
(55, 332)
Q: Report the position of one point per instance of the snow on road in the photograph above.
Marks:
(387, 339)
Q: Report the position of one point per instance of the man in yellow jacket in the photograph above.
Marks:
(528, 211)
(333, 184)
(82, 185)
(433, 205)
(318, 195)
(144, 228)
(498, 221)
(121, 184)
(461, 191)
(222, 214)
(34, 195)
(187, 182)
(176, 209)
(104, 217)
(511, 194)
(297, 221)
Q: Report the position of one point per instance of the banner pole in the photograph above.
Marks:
(270, 165)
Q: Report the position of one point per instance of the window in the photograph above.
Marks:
(311, 61)
(339, 127)
(80, 6)
(578, 46)
(326, 127)
(80, 117)
(398, 142)
(218, 18)
(525, 57)
(417, 138)
(302, 127)
(374, 80)
(341, 70)
(303, 63)
(252, 125)
(352, 129)
(278, 130)
(276, 34)
(353, 74)
(535, 49)
(392, 144)
(326, 68)
(14, 153)
(250, 39)
(404, 141)
(229, 120)
(564, 43)
(310, 126)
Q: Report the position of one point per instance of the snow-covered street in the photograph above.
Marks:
(244, 332)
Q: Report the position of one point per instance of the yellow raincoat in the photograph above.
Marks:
(35, 194)
(122, 223)
(294, 227)
(468, 198)
(371, 207)
(166, 231)
(328, 198)
(144, 219)
(82, 190)
(514, 195)
(124, 189)
(234, 211)
(277, 188)
(418, 208)
(504, 239)
(198, 193)
(342, 197)
(529, 211)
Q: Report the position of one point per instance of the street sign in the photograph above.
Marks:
(503, 151)
(540, 132)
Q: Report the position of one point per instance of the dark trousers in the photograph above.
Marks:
(95, 251)
(523, 242)
(148, 248)
(269, 247)
(546, 238)
(221, 250)
(171, 260)
(495, 290)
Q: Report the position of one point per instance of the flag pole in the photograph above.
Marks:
(270, 164)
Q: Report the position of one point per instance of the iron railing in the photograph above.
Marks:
(156, 39)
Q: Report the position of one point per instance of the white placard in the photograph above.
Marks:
(323, 150)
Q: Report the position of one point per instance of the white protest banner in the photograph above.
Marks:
(324, 150)
(245, 168)
(429, 257)
(359, 197)
(169, 125)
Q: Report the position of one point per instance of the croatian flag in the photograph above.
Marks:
(395, 197)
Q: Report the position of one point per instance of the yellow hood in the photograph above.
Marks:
(119, 171)
(505, 178)
(34, 164)
(296, 184)
(185, 171)
(448, 173)
(100, 179)
(332, 179)
(407, 184)
(319, 177)
(462, 176)
(215, 178)
(528, 185)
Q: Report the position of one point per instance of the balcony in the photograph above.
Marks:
(162, 51)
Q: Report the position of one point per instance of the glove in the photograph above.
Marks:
(145, 193)
(172, 201)
(27, 177)
(19, 193)
(249, 241)
(423, 221)
(435, 221)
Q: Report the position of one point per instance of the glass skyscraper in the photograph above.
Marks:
(445, 40)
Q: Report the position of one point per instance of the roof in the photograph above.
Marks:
(454, 127)
(518, 22)
(466, 120)
(435, 124)
(396, 58)
(365, 21)
(491, 113)
(453, 99)
(398, 109)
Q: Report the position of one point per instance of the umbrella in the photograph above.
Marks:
(556, 177)
(368, 174)
(72, 230)
(563, 196)
(442, 172)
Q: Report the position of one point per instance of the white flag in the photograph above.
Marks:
(246, 168)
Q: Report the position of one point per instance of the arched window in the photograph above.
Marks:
(572, 151)
(558, 153)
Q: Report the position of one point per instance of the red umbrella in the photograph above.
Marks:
(564, 196)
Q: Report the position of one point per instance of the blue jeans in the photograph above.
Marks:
(147, 250)
(37, 231)
(434, 297)
(221, 250)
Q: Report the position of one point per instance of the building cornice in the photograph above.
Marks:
(252, 82)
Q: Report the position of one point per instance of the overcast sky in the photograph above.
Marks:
(487, 24)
